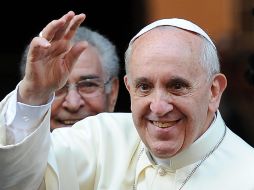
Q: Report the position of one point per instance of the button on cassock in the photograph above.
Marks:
(162, 172)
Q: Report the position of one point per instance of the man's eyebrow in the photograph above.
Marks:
(139, 80)
(87, 77)
(178, 79)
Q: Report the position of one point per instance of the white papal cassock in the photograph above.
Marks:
(104, 152)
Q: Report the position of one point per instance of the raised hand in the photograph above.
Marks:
(50, 59)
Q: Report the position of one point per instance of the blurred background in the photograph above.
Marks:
(230, 23)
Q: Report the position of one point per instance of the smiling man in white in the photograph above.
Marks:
(175, 137)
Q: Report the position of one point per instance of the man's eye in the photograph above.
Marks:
(178, 88)
(88, 84)
(143, 89)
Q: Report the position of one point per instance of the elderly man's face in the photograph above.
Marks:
(171, 100)
(73, 105)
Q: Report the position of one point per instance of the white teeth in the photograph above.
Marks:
(163, 124)
(69, 122)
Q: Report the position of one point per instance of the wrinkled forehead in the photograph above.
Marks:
(174, 22)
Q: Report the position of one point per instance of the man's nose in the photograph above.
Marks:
(73, 100)
(161, 103)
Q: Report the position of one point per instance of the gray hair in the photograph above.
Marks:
(106, 49)
(209, 59)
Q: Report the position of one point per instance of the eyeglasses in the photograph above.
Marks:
(86, 88)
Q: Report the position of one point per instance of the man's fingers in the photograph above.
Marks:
(36, 48)
(61, 32)
(56, 26)
(74, 53)
(73, 26)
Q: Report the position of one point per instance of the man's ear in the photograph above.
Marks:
(113, 94)
(127, 83)
(218, 86)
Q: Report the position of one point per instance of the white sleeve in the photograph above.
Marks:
(24, 143)
(21, 119)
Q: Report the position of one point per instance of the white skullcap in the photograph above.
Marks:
(176, 22)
